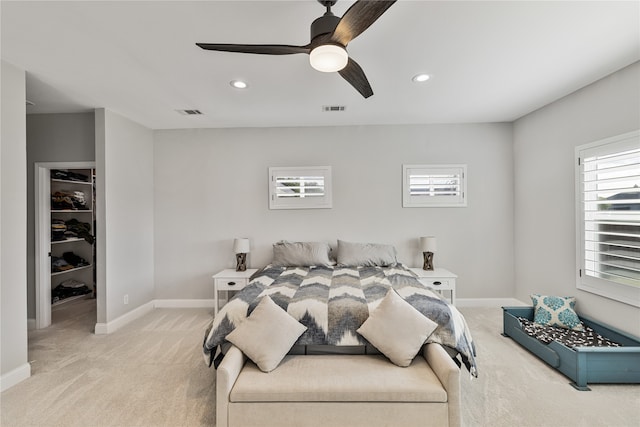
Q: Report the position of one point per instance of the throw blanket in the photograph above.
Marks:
(333, 302)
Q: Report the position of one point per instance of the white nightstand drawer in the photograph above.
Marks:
(438, 279)
(229, 280)
(436, 283)
(231, 284)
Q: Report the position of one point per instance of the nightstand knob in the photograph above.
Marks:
(437, 283)
(231, 283)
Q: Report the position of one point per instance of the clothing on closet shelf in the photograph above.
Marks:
(62, 230)
(68, 175)
(59, 264)
(58, 228)
(68, 200)
(69, 288)
(68, 261)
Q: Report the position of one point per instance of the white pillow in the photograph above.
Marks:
(366, 254)
(267, 334)
(397, 329)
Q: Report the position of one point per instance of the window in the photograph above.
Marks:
(434, 185)
(300, 187)
(608, 217)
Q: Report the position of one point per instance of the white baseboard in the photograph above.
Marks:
(183, 303)
(107, 328)
(114, 325)
(31, 324)
(15, 376)
(488, 302)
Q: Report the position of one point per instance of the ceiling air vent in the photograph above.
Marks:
(190, 112)
(333, 108)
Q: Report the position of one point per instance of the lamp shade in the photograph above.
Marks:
(428, 244)
(241, 246)
(328, 58)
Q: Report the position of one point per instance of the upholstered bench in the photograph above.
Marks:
(339, 390)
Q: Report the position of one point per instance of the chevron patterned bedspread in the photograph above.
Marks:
(332, 302)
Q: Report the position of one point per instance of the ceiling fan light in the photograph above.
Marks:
(328, 58)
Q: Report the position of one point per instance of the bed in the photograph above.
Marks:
(352, 339)
(333, 298)
(581, 364)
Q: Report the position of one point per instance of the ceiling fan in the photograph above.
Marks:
(330, 36)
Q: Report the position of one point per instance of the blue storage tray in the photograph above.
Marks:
(610, 365)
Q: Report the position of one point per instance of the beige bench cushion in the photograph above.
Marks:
(343, 378)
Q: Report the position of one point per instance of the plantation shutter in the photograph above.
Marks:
(300, 187)
(434, 185)
(610, 203)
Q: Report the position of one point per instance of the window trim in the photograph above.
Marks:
(409, 201)
(324, 202)
(627, 294)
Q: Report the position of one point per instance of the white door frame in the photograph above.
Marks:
(43, 234)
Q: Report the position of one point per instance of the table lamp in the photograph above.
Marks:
(428, 247)
(241, 248)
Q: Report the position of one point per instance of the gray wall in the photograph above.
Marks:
(52, 138)
(14, 365)
(544, 144)
(211, 186)
(124, 215)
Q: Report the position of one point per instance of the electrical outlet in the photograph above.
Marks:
(126, 299)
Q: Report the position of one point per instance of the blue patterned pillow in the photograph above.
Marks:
(556, 311)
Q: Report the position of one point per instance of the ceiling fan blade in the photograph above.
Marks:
(354, 74)
(358, 18)
(261, 49)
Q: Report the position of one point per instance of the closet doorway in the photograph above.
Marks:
(64, 235)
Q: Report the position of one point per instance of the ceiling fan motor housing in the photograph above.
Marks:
(324, 25)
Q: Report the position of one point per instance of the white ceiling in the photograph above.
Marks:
(489, 61)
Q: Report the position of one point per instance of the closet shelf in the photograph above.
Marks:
(72, 239)
(84, 267)
(69, 299)
(69, 181)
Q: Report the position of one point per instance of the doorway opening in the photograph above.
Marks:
(65, 249)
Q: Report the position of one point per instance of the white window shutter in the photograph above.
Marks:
(300, 187)
(434, 186)
(608, 217)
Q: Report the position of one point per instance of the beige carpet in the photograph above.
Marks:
(151, 373)
(514, 388)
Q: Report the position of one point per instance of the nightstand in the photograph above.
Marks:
(438, 279)
(229, 280)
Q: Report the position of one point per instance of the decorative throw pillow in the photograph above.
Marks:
(556, 311)
(366, 254)
(397, 329)
(300, 254)
(267, 334)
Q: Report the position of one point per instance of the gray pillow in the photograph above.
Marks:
(267, 335)
(366, 254)
(300, 254)
(397, 329)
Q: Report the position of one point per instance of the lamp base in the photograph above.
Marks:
(241, 262)
(428, 261)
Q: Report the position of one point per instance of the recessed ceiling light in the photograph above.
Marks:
(419, 78)
(238, 84)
